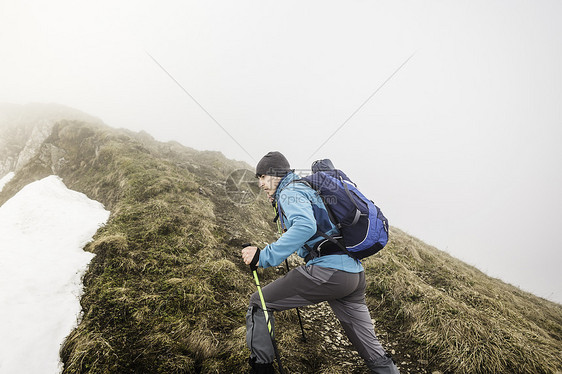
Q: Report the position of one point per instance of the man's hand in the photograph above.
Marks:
(248, 254)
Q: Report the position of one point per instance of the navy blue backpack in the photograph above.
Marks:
(362, 224)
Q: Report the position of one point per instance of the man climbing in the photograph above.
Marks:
(334, 276)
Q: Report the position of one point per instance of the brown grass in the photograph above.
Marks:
(458, 318)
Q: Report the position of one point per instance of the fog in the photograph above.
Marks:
(447, 114)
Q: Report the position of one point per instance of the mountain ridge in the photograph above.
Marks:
(167, 292)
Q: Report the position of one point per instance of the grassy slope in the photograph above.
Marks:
(167, 292)
(459, 319)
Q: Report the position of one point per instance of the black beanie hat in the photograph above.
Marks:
(273, 163)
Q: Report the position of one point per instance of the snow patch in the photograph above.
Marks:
(43, 229)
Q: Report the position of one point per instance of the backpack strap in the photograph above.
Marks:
(358, 213)
(332, 245)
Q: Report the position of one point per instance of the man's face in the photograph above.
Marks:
(269, 184)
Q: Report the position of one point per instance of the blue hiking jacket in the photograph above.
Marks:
(302, 212)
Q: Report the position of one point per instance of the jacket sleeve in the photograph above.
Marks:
(299, 218)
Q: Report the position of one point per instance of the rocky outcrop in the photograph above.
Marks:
(39, 132)
(24, 128)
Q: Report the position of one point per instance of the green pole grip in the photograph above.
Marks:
(264, 308)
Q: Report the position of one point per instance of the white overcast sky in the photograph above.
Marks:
(461, 147)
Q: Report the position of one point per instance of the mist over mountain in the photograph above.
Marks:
(167, 291)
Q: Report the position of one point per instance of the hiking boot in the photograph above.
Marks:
(256, 368)
(382, 365)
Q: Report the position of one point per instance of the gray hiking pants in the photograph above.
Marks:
(306, 285)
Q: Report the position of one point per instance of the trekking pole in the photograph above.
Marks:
(288, 269)
(254, 269)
